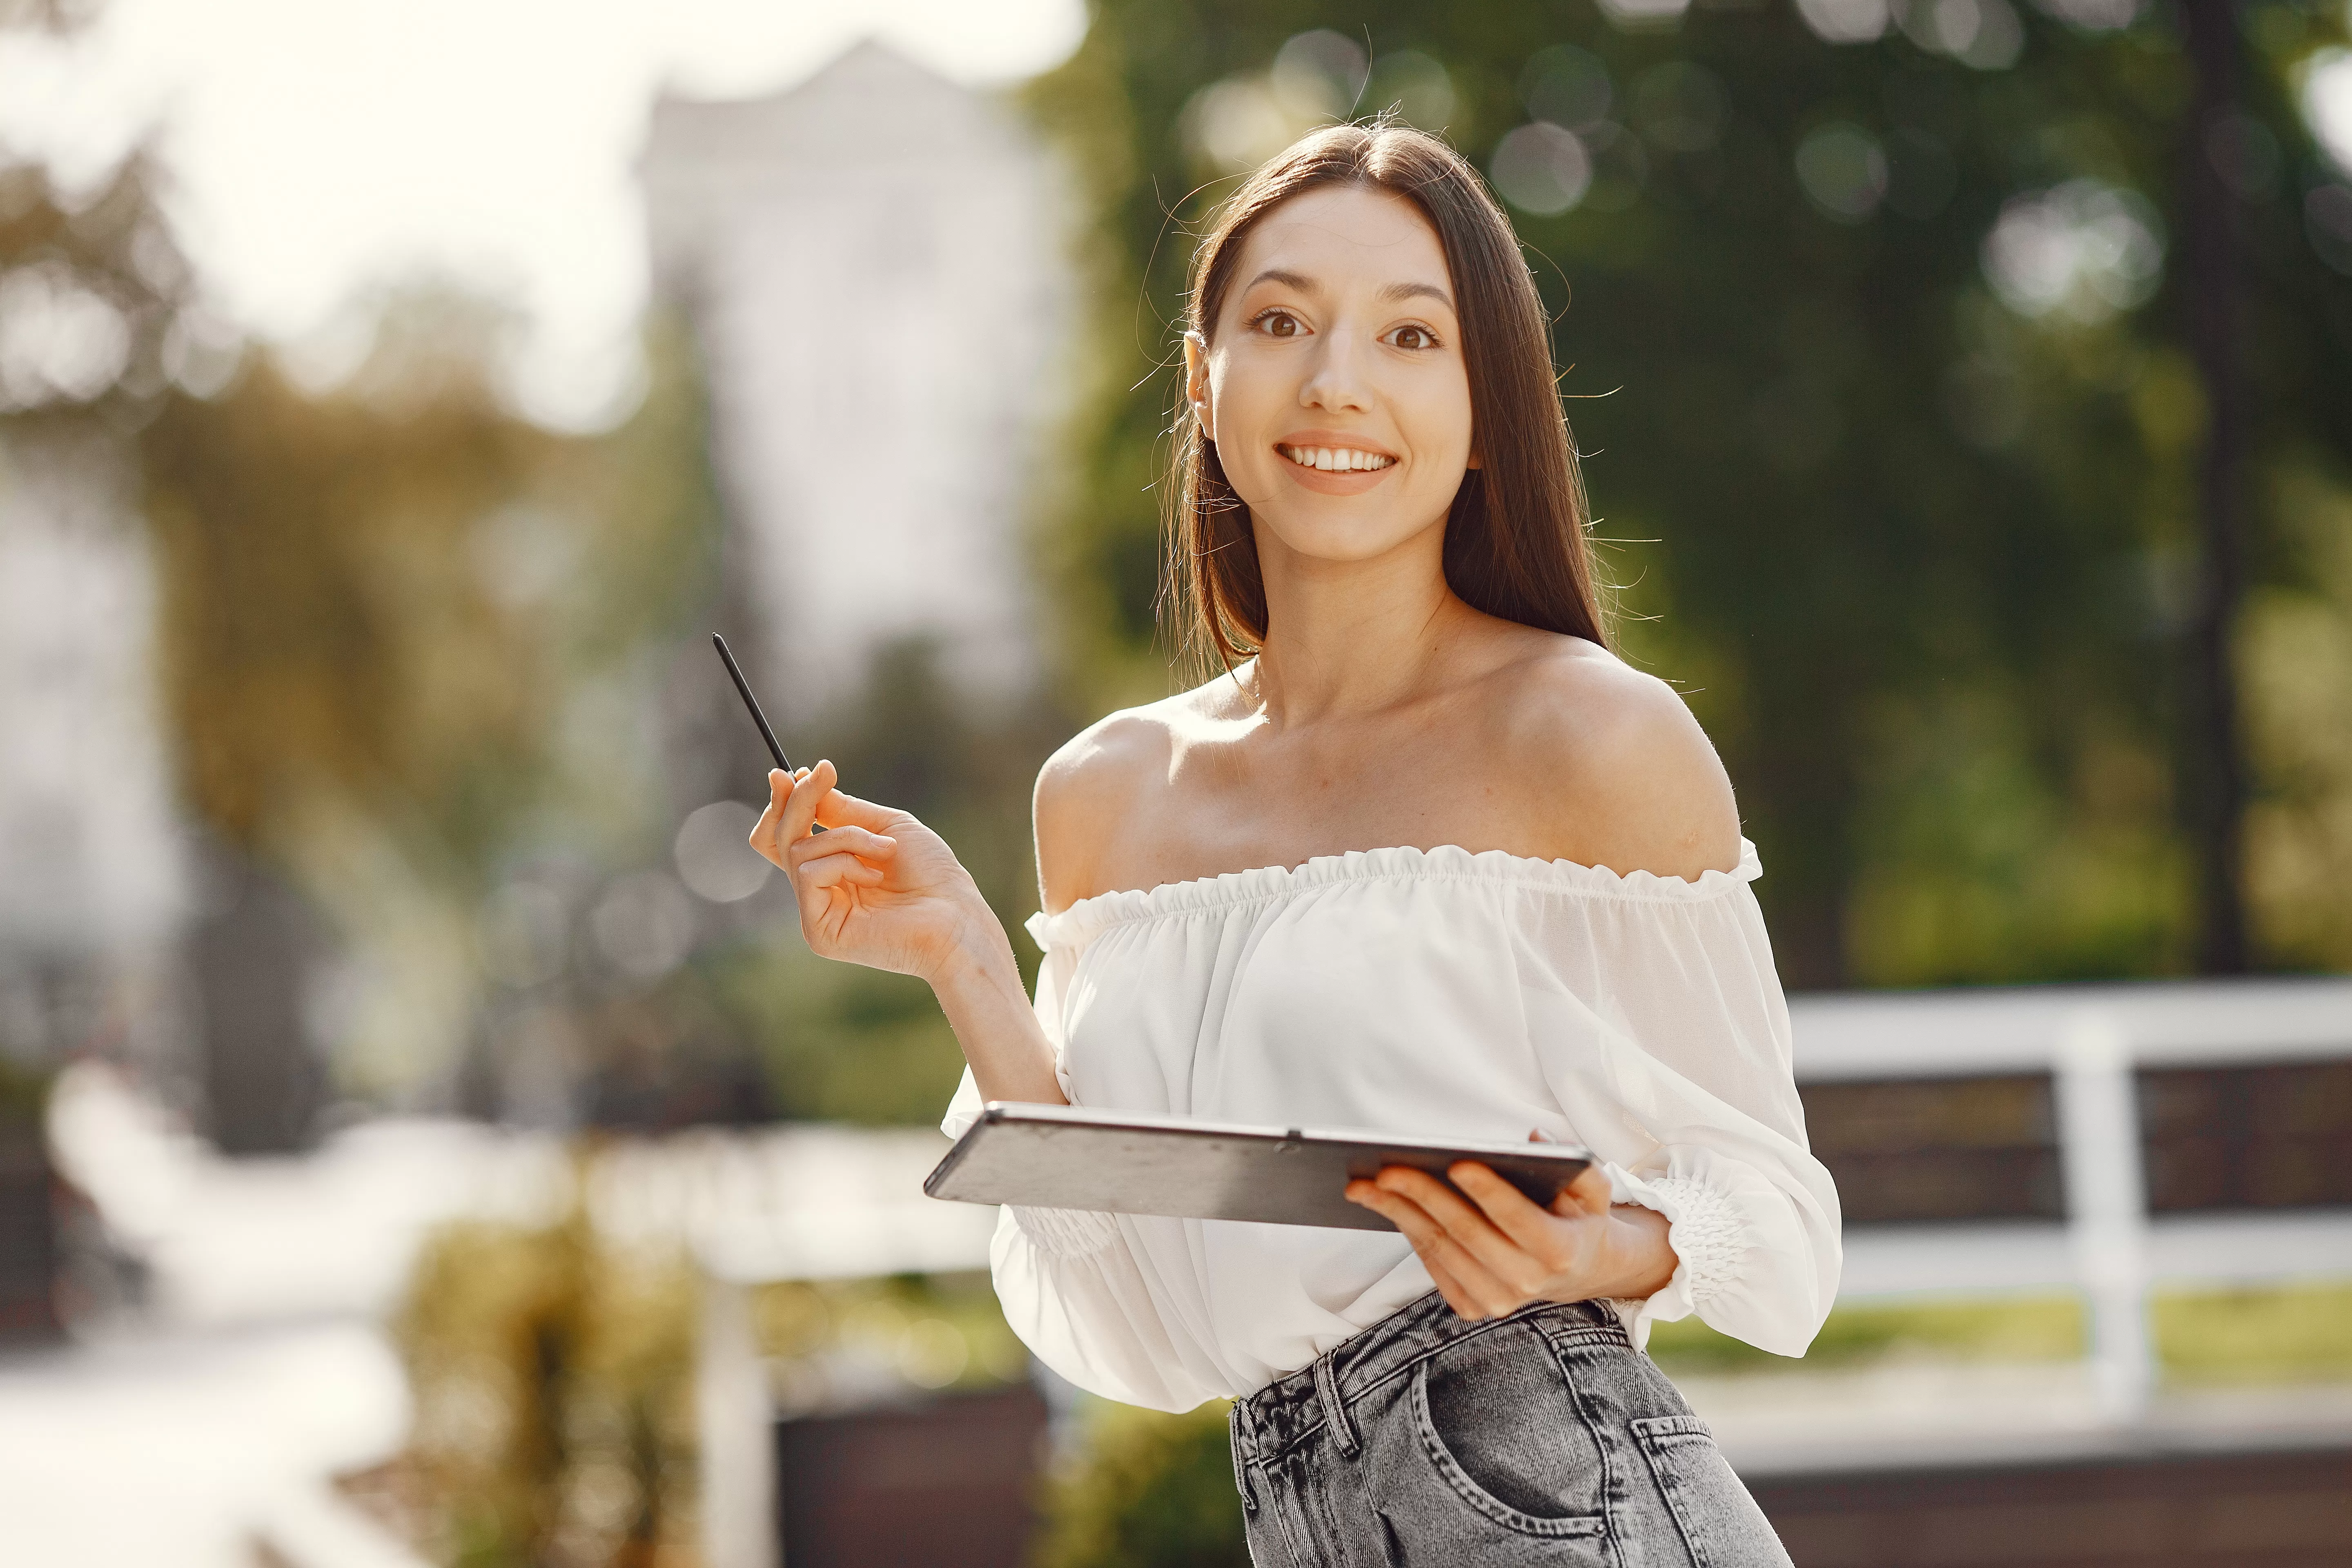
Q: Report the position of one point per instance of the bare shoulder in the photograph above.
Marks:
(1628, 779)
(1090, 787)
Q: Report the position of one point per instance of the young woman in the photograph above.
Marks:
(1427, 858)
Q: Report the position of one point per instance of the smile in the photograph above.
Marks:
(1335, 460)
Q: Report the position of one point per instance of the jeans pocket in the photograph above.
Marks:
(1518, 1455)
(1720, 1523)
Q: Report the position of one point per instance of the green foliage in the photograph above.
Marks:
(2257, 1334)
(24, 1094)
(1918, 559)
(326, 626)
(826, 1338)
(2297, 659)
(385, 593)
(2297, 1333)
(1146, 1490)
(553, 1380)
(403, 636)
(840, 1044)
(2029, 1329)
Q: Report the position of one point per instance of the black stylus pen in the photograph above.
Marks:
(775, 749)
(743, 685)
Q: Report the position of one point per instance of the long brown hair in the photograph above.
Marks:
(1517, 543)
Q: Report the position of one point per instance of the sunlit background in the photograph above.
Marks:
(423, 1138)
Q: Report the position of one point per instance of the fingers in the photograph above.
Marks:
(1588, 1195)
(1500, 1254)
(840, 810)
(800, 808)
(828, 872)
(842, 841)
(806, 799)
(765, 837)
(1441, 1250)
(1458, 1296)
(842, 857)
(767, 833)
(1510, 1209)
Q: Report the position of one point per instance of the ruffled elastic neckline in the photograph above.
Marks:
(1088, 918)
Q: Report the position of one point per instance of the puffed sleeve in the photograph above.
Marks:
(1072, 1282)
(1658, 1021)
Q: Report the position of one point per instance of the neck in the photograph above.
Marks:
(1348, 637)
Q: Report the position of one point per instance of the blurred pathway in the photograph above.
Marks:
(171, 1450)
(252, 1367)
(210, 1414)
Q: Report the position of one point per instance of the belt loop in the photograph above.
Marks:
(1234, 1424)
(1327, 1388)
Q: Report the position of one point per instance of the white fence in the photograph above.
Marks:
(2090, 1040)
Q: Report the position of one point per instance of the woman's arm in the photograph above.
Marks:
(879, 889)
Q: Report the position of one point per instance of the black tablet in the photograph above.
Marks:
(1069, 1157)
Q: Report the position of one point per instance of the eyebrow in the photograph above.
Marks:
(1395, 291)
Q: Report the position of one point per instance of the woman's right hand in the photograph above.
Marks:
(877, 888)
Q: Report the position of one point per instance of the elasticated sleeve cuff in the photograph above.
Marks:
(1707, 1234)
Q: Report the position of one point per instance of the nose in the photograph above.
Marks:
(1336, 378)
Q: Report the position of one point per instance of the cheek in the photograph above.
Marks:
(1238, 393)
(1243, 408)
(1438, 409)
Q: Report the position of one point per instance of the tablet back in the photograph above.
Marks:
(1062, 1156)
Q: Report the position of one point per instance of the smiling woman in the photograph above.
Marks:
(1514, 540)
(1424, 858)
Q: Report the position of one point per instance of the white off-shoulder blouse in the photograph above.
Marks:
(1433, 992)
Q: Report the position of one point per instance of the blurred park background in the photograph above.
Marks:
(425, 1137)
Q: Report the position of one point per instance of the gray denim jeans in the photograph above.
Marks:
(1540, 1437)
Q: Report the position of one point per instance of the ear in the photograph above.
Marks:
(1196, 384)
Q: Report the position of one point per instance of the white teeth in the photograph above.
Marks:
(1335, 460)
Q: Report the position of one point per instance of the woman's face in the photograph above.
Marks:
(1333, 382)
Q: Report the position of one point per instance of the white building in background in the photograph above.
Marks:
(875, 262)
(91, 879)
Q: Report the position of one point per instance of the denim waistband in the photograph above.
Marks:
(1294, 1405)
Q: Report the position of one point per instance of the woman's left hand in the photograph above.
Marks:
(1498, 1252)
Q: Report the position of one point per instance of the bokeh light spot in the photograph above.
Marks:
(1843, 170)
(1542, 169)
(714, 854)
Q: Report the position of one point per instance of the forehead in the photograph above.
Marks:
(1345, 236)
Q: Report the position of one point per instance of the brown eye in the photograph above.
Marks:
(1280, 326)
(1413, 338)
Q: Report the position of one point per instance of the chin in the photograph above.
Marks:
(1336, 539)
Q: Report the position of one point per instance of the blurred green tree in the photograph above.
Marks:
(1885, 355)
(1146, 1490)
(405, 638)
(330, 619)
(552, 1371)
